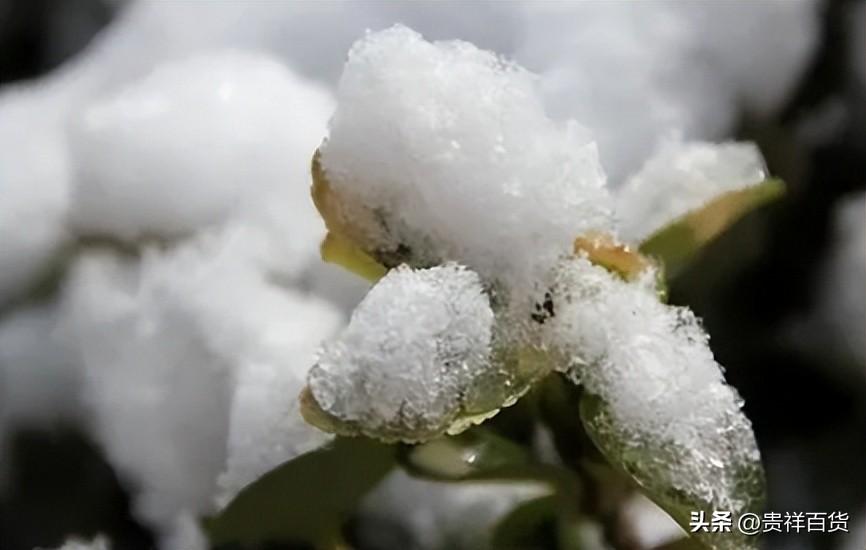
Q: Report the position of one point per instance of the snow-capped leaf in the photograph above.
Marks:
(655, 400)
(653, 464)
(676, 244)
(414, 362)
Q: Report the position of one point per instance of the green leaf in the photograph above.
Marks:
(307, 498)
(652, 464)
(678, 243)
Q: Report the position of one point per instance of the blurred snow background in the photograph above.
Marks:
(160, 288)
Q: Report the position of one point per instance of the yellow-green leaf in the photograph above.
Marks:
(338, 250)
(677, 243)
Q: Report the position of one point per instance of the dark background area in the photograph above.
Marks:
(810, 423)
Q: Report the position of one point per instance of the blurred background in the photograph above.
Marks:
(782, 294)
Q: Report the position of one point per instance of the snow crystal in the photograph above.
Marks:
(681, 177)
(663, 392)
(196, 141)
(449, 147)
(441, 515)
(413, 348)
(177, 347)
(34, 189)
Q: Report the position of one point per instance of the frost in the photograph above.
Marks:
(219, 135)
(412, 351)
(665, 409)
(681, 177)
(192, 362)
(449, 151)
(441, 515)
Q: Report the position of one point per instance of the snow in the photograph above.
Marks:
(33, 190)
(699, 62)
(175, 370)
(266, 427)
(411, 351)
(219, 135)
(681, 177)
(451, 146)
(652, 367)
(635, 72)
(187, 120)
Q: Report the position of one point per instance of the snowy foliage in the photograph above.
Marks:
(413, 184)
(171, 363)
(635, 72)
(681, 177)
(153, 160)
(411, 353)
(185, 124)
(456, 172)
(663, 393)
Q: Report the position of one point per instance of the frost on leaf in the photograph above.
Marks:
(443, 152)
(657, 404)
(411, 359)
(683, 177)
